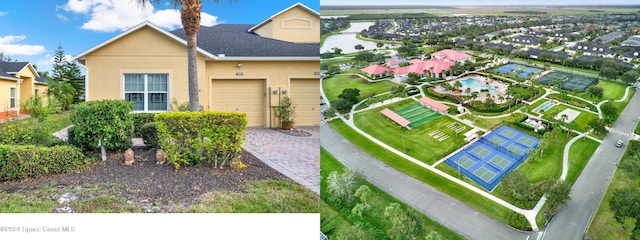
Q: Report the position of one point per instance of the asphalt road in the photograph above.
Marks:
(440, 207)
(573, 219)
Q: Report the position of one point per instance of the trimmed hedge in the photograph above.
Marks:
(149, 133)
(189, 138)
(108, 120)
(25, 161)
(139, 120)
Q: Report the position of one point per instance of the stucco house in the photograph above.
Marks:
(241, 67)
(18, 82)
(436, 66)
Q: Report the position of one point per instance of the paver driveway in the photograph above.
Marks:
(296, 157)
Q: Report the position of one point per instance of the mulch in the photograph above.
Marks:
(156, 183)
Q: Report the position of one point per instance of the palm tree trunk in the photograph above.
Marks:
(190, 16)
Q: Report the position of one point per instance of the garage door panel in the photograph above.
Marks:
(305, 94)
(240, 95)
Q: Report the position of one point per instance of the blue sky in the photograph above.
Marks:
(479, 2)
(32, 29)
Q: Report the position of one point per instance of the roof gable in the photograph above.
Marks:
(9, 70)
(304, 7)
(133, 29)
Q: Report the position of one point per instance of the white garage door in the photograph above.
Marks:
(305, 94)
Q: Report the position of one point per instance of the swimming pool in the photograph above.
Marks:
(476, 85)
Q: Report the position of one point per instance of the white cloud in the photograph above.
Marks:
(62, 17)
(9, 47)
(3, 13)
(113, 15)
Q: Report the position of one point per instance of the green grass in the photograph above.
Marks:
(581, 121)
(377, 200)
(621, 105)
(414, 141)
(612, 90)
(268, 196)
(333, 87)
(550, 165)
(604, 224)
(335, 61)
(638, 129)
(536, 104)
(579, 155)
(488, 123)
(474, 200)
(57, 121)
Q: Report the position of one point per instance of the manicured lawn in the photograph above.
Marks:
(488, 123)
(415, 142)
(333, 87)
(57, 121)
(621, 105)
(334, 61)
(579, 155)
(377, 200)
(442, 184)
(550, 165)
(638, 129)
(612, 90)
(536, 104)
(581, 121)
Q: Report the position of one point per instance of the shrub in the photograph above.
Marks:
(107, 121)
(19, 133)
(149, 133)
(35, 107)
(191, 137)
(19, 162)
(140, 119)
(518, 221)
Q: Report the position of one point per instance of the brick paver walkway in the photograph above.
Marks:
(296, 157)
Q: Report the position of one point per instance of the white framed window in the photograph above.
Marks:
(149, 92)
(12, 97)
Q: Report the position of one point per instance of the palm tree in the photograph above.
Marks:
(190, 17)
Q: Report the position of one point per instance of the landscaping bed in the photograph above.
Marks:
(146, 182)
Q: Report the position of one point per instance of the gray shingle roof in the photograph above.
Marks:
(11, 67)
(234, 40)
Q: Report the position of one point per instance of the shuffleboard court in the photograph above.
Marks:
(515, 149)
(481, 151)
(500, 161)
(484, 173)
(497, 141)
(465, 162)
(507, 133)
(526, 141)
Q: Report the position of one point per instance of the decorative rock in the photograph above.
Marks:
(128, 157)
(160, 157)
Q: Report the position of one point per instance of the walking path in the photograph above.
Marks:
(446, 210)
(296, 157)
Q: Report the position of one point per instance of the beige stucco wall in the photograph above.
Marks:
(5, 85)
(42, 89)
(143, 51)
(294, 25)
(265, 30)
(277, 74)
(28, 80)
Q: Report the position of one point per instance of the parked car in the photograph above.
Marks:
(619, 144)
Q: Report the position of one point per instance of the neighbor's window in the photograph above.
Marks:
(148, 91)
(36, 92)
(12, 97)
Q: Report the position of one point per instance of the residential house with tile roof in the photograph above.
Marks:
(18, 82)
(436, 66)
(241, 67)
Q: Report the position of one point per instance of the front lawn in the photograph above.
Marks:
(444, 185)
(415, 142)
(373, 218)
(333, 86)
(579, 155)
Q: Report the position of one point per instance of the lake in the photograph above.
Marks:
(347, 40)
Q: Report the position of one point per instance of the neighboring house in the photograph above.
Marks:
(633, 41)
(608, 37)
(243, 68)
(18, 82)
(592, 50)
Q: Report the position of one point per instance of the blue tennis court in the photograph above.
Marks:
(513, 69)
(489, 159)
